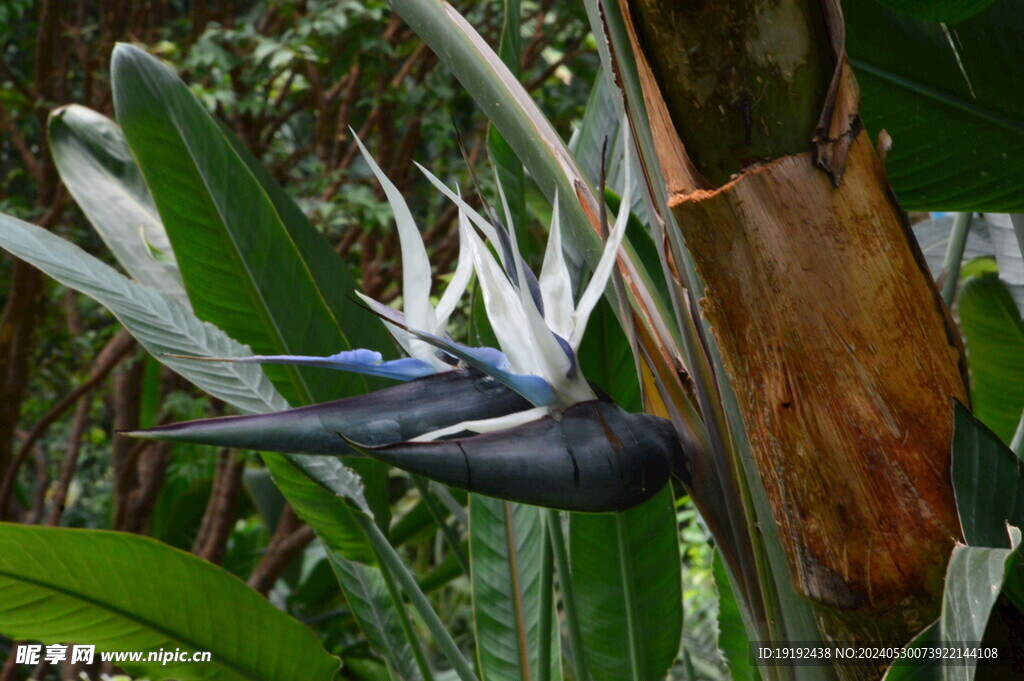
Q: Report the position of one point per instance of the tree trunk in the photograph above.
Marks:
(843, 357)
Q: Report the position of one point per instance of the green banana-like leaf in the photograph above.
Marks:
(733, 641)
(241, 265)
(954, 110)
(620, 564)
(505, 545)
(123, 592)
(975, 578)
(377, 615)
(994, 337)
(627, 563)
(97, 167)
(161, 324)
(988, 480)
(332, 278)
(165, 328)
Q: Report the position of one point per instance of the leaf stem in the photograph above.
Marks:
(565, 583)
(393, 563)
(450, 538)
(954, 255)
(410, 633)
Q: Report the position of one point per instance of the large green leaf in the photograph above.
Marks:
(241, 265)
(948, 11)
(287, 291)
(627, 564)
(974, 580)
(377, 615)
(994, 336)
(953, 107)
(125, 592)
(332, 278)
(164, 327)
(732, 629)
(98, 169)
(988, 480)
(505, 545)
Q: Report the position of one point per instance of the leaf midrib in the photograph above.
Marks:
(945, 97)
(147, 624)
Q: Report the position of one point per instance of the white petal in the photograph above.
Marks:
(555, 284)
(460, 280)
(602, 273)
(413, 346)
(486, 425)
(415, 263)
(504, 204)
(503, 309)
(550, 355)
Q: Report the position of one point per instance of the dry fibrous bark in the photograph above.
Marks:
(842, 356)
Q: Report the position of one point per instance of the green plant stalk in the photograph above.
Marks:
(506, 164)
(565, 583)
(450, 538)
(1017, 443)
(547, 573)
(1017, 220)
(689, 341)
(955, 255)
(410, 633)
(392, 562)
(626, 569)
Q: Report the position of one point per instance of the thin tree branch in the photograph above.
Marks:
(219, 516)
(290, 538)
(112, 353)
(70, 463)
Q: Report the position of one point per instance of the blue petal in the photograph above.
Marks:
(495, 364)
(358, 361)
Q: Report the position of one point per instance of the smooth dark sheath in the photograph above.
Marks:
(382, 417)
(597, 458)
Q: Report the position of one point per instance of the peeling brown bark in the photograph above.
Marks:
(844, 363)
(842, 356)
